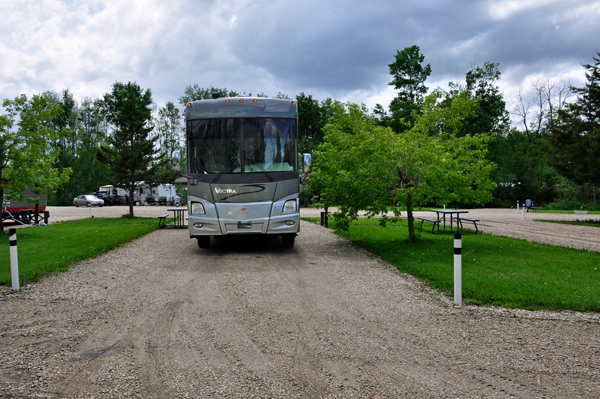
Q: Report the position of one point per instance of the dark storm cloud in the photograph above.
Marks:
(346, 46)
(339, 49)
(338, 45)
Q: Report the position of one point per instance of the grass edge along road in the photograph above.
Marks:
(496, 270)
(45, 250)
(588, 223)
(563, 212)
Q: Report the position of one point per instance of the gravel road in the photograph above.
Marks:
(161, 318)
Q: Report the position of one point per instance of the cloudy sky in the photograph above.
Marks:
(327, 48)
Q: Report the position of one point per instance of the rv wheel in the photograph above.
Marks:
(287, 240)
(204, 241)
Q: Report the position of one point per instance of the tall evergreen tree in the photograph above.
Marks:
(130, 151)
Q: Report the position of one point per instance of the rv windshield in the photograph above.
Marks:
(242, 145)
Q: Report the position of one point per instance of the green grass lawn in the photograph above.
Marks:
(44, 250)
(496, 270)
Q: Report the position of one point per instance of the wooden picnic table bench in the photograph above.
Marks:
(161, 220)
(474, 221)
(434, 221)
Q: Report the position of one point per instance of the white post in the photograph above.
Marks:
(14, 262)
(90, 208)
(523, 217)
(517, 205)
(457, 269)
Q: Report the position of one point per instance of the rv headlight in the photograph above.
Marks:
(289, 206)
(197, 208)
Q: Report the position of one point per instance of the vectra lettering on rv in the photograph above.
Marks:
(225, 190)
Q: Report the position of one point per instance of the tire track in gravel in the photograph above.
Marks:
(323, 319)
(254, 309)
(135, 324)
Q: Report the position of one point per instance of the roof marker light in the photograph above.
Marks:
(227, 101)
(241, 100)
(255, 101)
(293, 102)
(189, 104)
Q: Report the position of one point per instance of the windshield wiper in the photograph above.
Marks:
(260, 167)
(233, 158)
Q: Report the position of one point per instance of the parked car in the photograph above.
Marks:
(88, 200)
(118, 200)
(103, 195)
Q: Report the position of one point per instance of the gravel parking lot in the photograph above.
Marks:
(161, 318)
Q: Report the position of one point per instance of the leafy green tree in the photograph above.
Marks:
(364, 166)
(170, 128)
(67, 144)
(87, 128)
(312, 117)
(93, 130)
(309, 123)
(195, 92)
(92, 123)
(27, 131)
(575, 137)
(491, 116)
(383, 117)
(523, 171)
(409, 76)
(130, 151)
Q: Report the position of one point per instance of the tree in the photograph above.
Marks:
(169, 127)
(491, 116)
(195, 92)
(130, 151)
(549, 97)
(575, 136)
(87, 128)
(92, 132)
(67, 145)
(364, 166)
(92, 123)
(409, 76)
(312, 117)
(26, 155)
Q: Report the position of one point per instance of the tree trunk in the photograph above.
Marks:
(130, 202)
(411, 221)
(1, 205)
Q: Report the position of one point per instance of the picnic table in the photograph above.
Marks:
(450, 212)
(178, 219)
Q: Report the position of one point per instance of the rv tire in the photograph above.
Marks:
(287, 240)
(203, 241)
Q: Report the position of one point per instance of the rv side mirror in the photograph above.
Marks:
(176, 161)
(306, 161)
